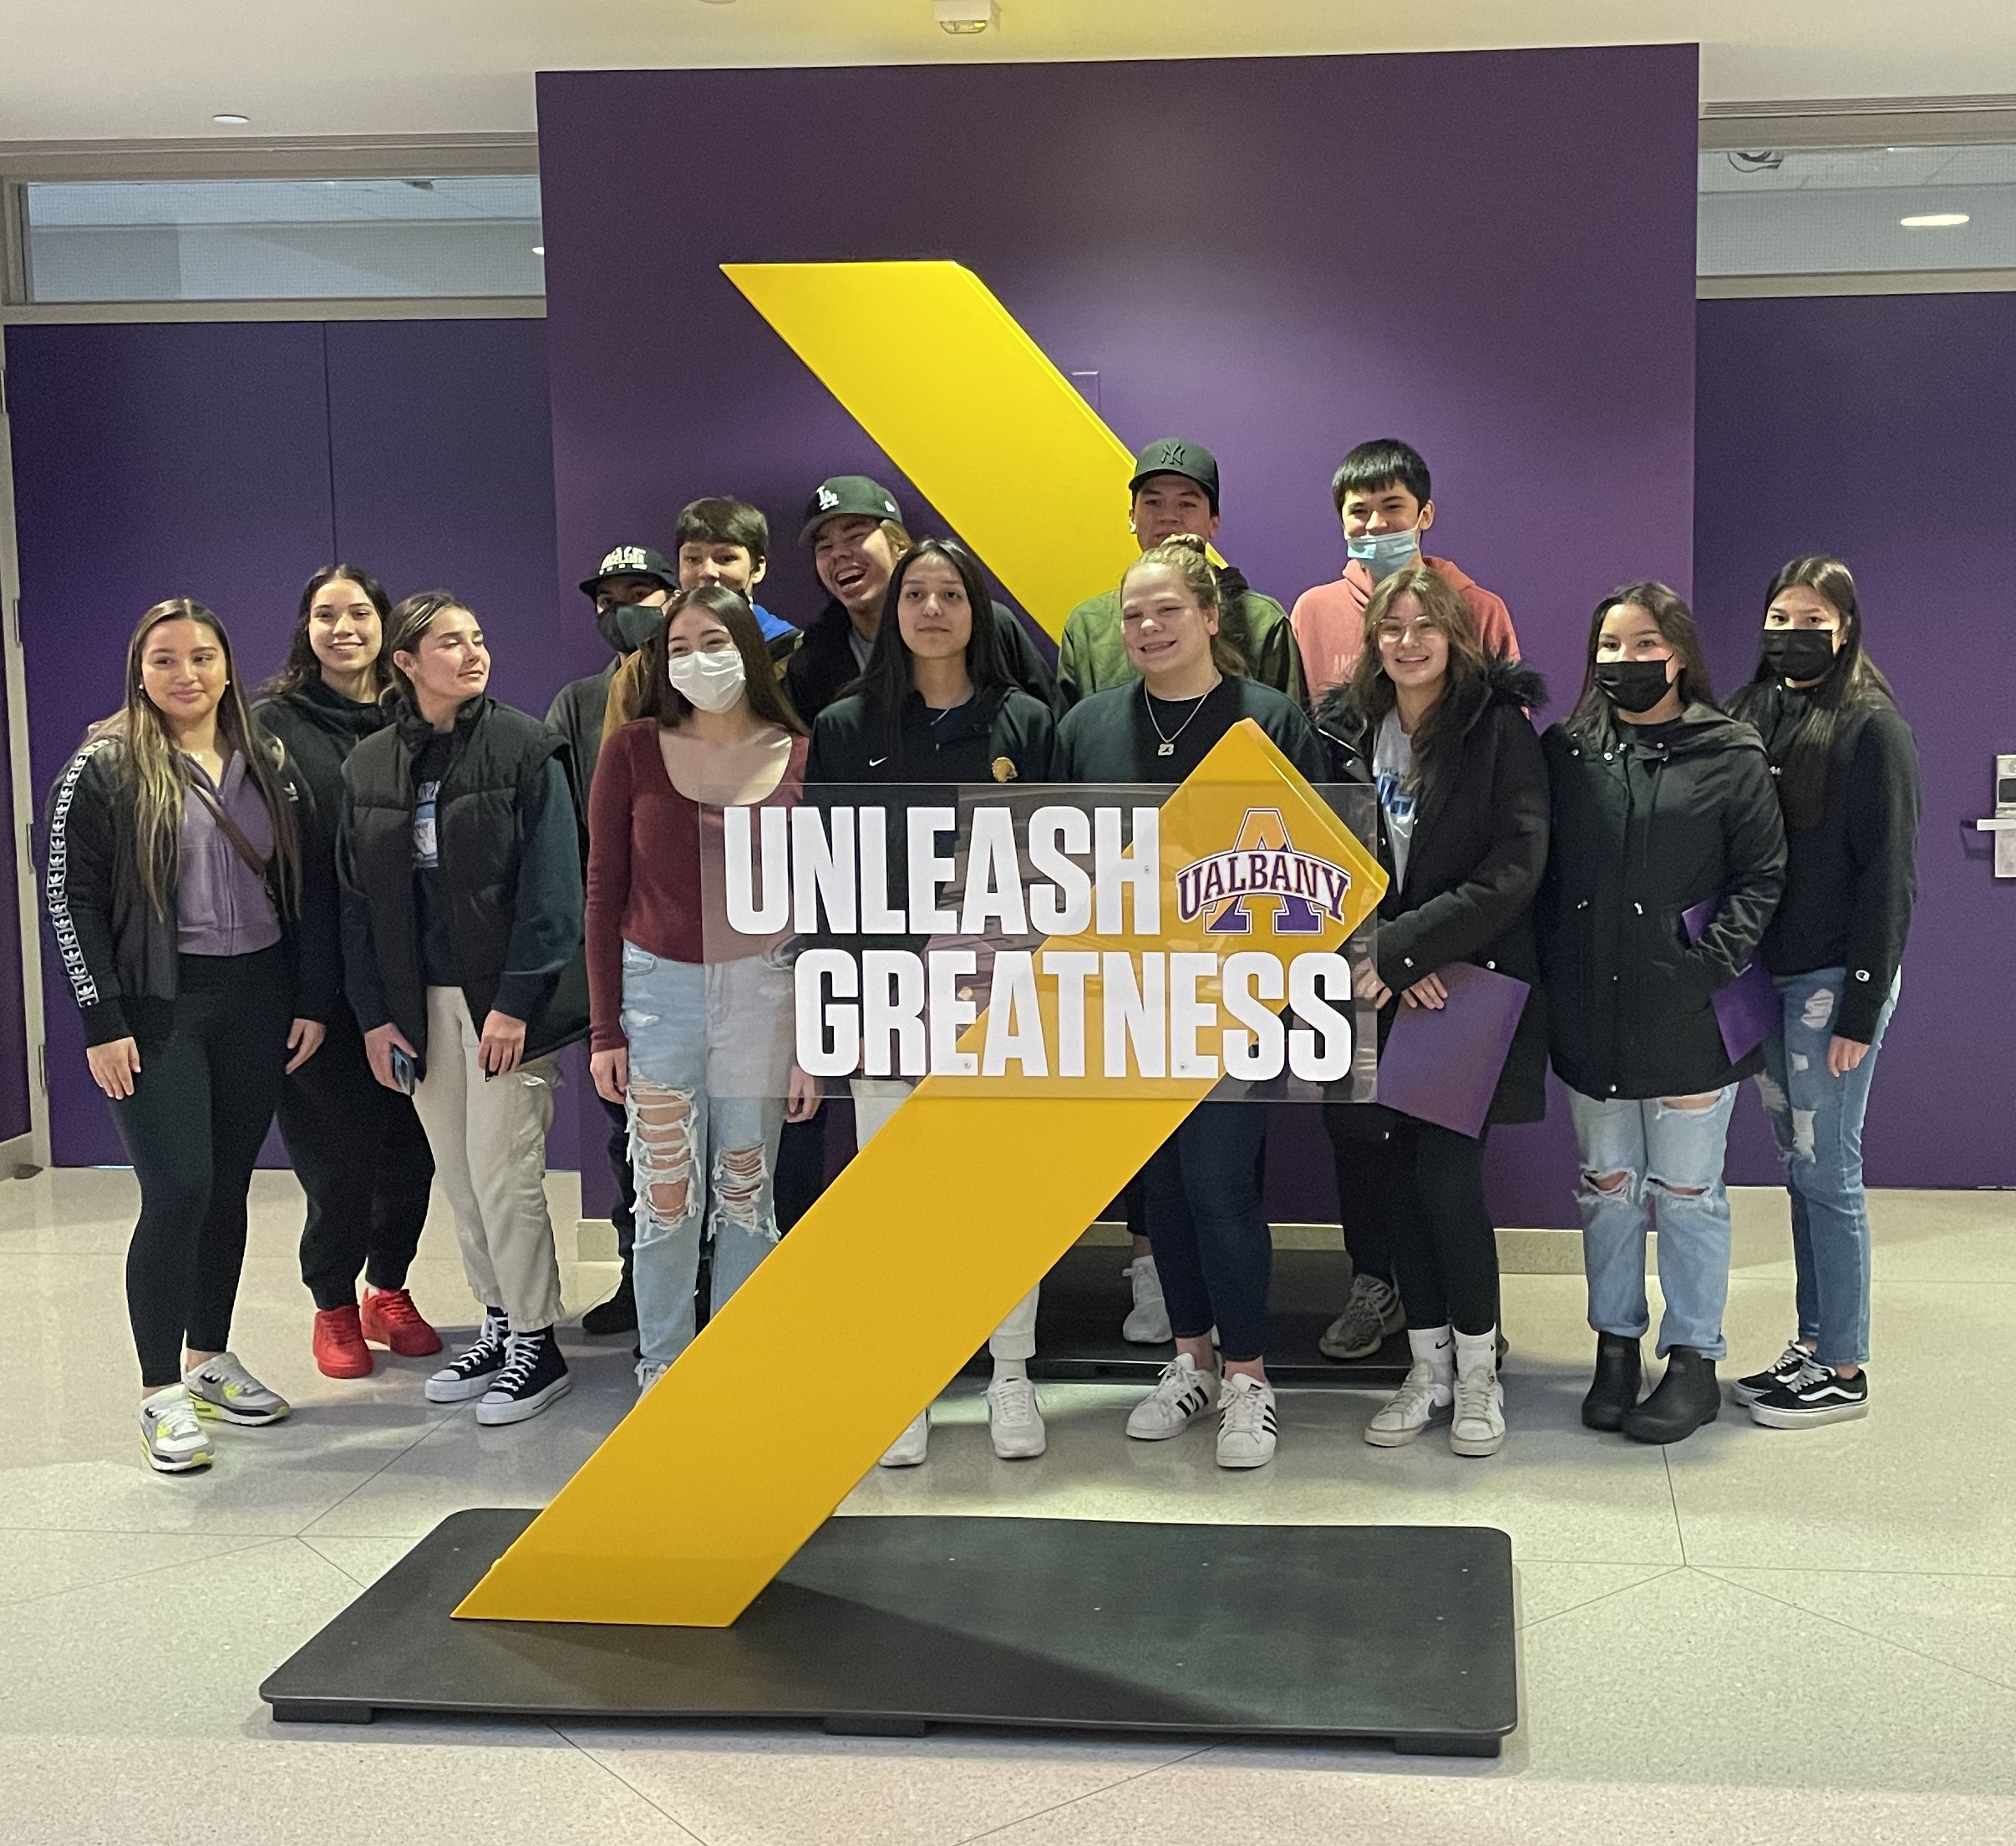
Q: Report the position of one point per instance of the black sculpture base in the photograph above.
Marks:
(1085, 1297)
(883, 1625)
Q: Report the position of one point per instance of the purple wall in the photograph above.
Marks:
(226, 461)
(1879, 427)
(14, 1118)
(1278, 257)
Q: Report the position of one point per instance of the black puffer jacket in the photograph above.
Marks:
(1475, 863)
(1647, 826)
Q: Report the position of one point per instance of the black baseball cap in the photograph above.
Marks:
(633, 561)
(1172, 455)
(848, 496)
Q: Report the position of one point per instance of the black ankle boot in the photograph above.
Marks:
(1613, 1394)
(1682, 1401)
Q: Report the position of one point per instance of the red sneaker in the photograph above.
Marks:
(390, 1319)
(340, 1351)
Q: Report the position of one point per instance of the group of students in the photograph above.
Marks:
(378, 901)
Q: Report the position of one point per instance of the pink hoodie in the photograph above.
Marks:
(1329, 623)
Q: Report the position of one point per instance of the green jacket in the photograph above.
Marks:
(1093, 656)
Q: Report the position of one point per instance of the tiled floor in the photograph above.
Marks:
(1755, 1637)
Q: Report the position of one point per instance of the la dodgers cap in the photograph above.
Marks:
(848, 496)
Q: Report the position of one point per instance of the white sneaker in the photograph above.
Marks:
(175, 1441)
(1478, 1425)
(223, 1388)
(1180, 1395)
(1014, 1422)
(1147, 1322)
(1428, 1392)
(1246, 1422)
(907, 1450)
(648, 1373)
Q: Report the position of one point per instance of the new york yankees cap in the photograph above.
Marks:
(848, 496)
(1172, 455)
(633, 561)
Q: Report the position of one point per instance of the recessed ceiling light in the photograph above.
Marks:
(231, 121)
(1934, 220)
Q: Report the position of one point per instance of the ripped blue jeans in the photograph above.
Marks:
(1665, 1165)
(710, 1061)
(1817, 1119)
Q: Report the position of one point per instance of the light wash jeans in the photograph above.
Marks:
(876, 1099)
(1658, 1149)
(710, 1062)
(1818, 1120)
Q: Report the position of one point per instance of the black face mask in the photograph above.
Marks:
(628, 625)
(1633, 685)
(1799, 654)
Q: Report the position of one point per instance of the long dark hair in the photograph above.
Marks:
(663, 701)
(886, 681)
(1676, 624)
(157, 777)
(301, 665)
(1442, 605)
(1853, 680)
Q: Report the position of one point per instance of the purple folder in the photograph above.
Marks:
(1746, 1008)
(1442, 1065)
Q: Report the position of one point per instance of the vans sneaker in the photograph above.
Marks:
(1818, 1395)
(1147, 1322)
(1781, 1370)
(469, 1374)
(533, 1377)
(1372, 1314)
(223, 1388)
(1180, 1395)
(174, 1442)
(1247, 1429)
(1014, 1423)
(910, 1448)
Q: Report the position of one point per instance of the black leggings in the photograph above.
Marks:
(1214, 1250)
(362, 1157)
(193, 1125)
(1412, 1192)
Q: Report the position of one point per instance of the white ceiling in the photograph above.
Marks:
(135, 69)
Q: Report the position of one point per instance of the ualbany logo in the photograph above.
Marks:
(1263, 867)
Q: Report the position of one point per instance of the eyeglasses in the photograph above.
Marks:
(1393, 633)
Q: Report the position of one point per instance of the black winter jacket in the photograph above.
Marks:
(504, 765)
(1852, 878)
(120, 954)
(1475, 863)
(1643, 831)
(824, 663)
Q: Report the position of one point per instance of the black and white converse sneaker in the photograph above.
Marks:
(1818, 1395)
(470, 1375)
(536, 1376)
(1781, 1370)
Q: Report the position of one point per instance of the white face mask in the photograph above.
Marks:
(712, 682)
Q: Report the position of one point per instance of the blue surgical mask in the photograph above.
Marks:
(1382, 553)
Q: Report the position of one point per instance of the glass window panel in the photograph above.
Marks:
(1820, 211)
(284, 240)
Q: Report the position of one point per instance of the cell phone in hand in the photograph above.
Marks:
(405, 1073)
